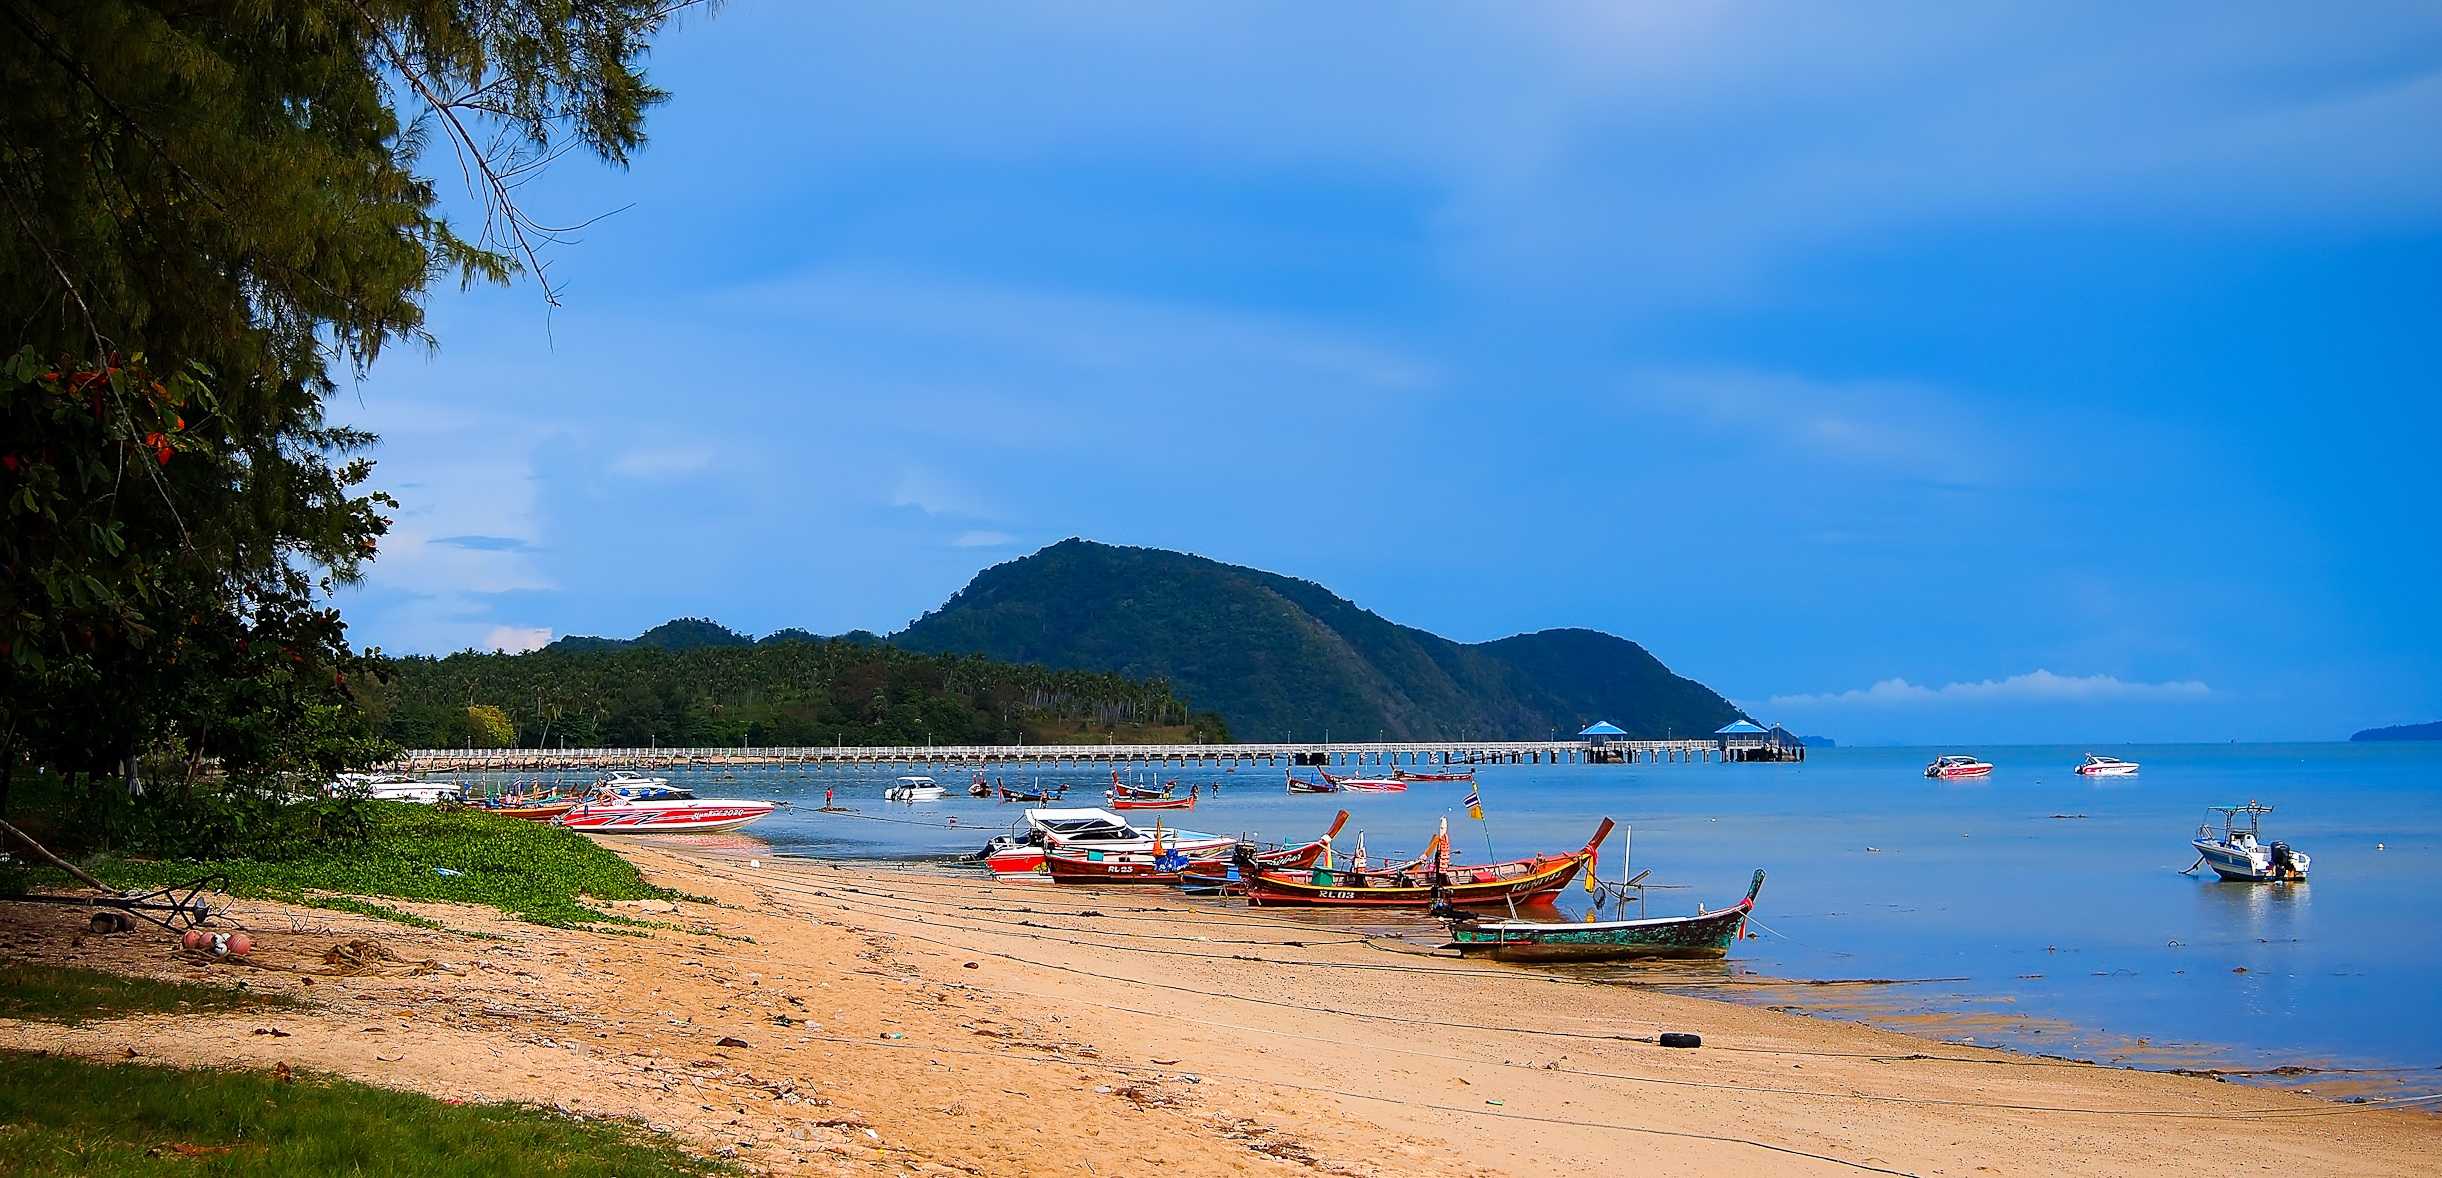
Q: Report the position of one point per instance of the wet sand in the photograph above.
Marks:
(904, 1022)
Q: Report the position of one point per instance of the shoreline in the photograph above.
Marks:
(835, 1018)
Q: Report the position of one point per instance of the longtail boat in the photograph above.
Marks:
(1423, 882)
(1120, 801)
(1706, 934)
(1169, 860)
(1299, 785)
(1121, 789)
(1030, 795)
(1404, 775)
(540, 811)
(1222, 879)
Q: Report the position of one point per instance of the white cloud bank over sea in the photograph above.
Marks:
(2034, 686)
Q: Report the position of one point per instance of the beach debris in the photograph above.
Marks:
(894, 1034)
(974, 965)
(110, 922)
(447, 872)
(1164, 1062)
(1496, 1103)
(756, 864)
(731, 1041)
(274, 1032)
(1681, 1039)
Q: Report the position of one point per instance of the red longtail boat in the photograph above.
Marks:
(1120, 801)
(1423, 881)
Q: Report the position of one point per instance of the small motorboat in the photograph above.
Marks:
(1954, 766)
(659, 809)
(2094, 766)
(1706, 934)
(914, 789)
(2240, 854)
(1019, 856)
(1373, 785)
(393, 787)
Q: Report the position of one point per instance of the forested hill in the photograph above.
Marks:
(1288, 659)
(782, 691)
(2432, 731)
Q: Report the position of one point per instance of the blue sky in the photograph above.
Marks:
(1992, 372)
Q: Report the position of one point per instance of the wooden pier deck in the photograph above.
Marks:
(1480, 752)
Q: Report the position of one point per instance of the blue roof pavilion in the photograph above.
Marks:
(1602, 728)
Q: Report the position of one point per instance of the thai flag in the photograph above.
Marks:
(1475, 804)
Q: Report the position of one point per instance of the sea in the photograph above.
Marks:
(2034, 909)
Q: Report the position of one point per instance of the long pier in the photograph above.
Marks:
(1478, 752)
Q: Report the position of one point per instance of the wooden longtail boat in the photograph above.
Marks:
(1423, 883)
(1072, 864)
(1298, 785)
(1120, 801)
(533, 812)
(1706, 934)
(1037, 796)
(1404, 775)
(1222, 879)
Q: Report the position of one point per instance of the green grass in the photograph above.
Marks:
(65, 994)
(66, 1116)
(526, 870)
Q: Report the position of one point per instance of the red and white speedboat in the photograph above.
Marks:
(1021, 856)
(1955, 766)
(2095, 766)
(651, 805)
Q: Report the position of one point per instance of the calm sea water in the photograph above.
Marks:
(2052, 907)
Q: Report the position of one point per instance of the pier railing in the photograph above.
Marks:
(1393, 753)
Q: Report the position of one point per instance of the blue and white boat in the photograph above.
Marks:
(2240, 854)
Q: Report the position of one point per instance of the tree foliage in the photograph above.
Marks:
(789, 692)
(206, 208)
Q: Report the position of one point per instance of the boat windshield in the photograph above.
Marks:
(653, 793)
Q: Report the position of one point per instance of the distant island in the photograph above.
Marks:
(1818, 742)
(2432, 731)
(1273, 657)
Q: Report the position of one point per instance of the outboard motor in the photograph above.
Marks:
(2283, 864)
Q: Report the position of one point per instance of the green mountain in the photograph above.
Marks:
(1282, 658)
(2432, 731)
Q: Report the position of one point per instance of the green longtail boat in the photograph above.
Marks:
(1704, 935)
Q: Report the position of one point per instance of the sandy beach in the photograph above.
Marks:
(805, 1018)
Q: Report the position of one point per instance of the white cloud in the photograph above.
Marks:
(662, 462)
(1878, 424)
(2034, 686)
(517, 639)
(982, 540)
(934, 493)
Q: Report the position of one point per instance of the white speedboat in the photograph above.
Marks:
(622, 779)
(638, 806)
(2095, 766)
(1087, 829)
(2240, 854)
(394, 787)
(914, 789)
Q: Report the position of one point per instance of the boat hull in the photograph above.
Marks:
(705, 819)
(1701, 937)
(2107, 771)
